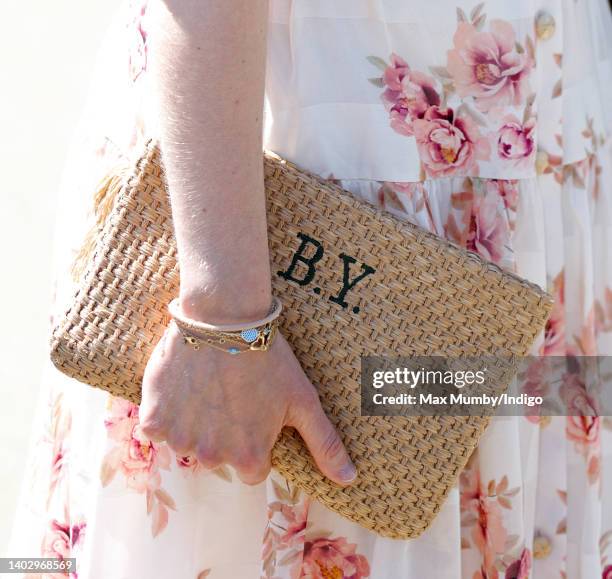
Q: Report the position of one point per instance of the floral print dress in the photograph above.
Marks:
(487, 123)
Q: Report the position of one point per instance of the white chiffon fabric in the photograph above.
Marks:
(488, 124)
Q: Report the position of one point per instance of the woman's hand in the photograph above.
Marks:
(206, 64)
(226, 408)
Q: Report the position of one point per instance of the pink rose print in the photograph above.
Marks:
(283, 541)
(333, 559)
(484, 219)
(57, 541)
(285, 533)
(60, 541)
(488, 66)
(574, 394)
(295, 518)
(516, 141)
(594, 469)
(57, 469)
(507, 189)
(488, 235)
(583, 424)
(584, 431)
(58, 437)
(491, 69)
(138, 459)
(482, 512)
(535, 382)
(554, 332)
(449, 144)
(489, 533)
(408, 94)
(521, 568)
(607, 572)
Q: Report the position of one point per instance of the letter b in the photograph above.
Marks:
(299, 256)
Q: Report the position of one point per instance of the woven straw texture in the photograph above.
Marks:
(425, 297)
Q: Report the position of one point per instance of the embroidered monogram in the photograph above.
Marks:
(300, 257)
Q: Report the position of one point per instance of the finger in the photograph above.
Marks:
(182, 436)
(323, 441)
(152, 425)
(252, 468)
(181, 443)
(151, 418)
(208, 456)
(153, 432)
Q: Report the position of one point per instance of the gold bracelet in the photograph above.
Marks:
(232, 338)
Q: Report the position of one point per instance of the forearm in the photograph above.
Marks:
(208, 71)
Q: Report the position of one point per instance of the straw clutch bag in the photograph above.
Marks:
(354, 281)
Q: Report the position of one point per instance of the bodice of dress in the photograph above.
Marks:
(406, 90)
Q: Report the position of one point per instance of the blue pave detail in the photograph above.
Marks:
(249, 335)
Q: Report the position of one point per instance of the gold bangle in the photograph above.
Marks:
(231, 338)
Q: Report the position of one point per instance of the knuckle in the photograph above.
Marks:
(332, 445)
(153, 428)
(253, 478)
(251, 462)
(307, 402)
(246, 463)
(180, 443)
(252, 470)
(150, 413)
(208, 456)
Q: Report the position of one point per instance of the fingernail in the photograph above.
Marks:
(348, 473)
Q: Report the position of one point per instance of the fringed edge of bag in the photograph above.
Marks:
(104, 199)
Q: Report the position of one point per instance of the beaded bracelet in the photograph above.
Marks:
(231, 338)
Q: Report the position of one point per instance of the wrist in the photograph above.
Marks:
(226, 305)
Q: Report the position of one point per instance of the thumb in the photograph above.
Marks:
(323, 441)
